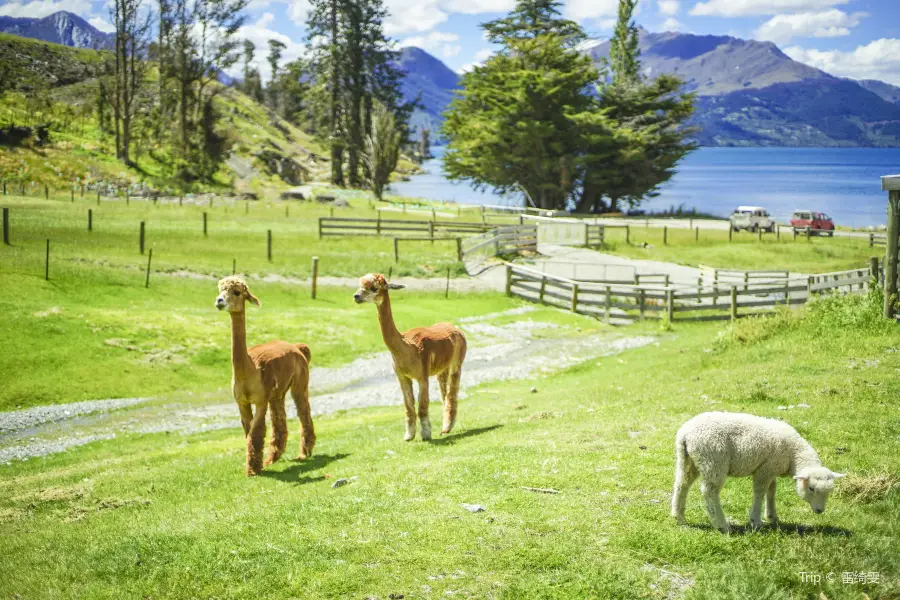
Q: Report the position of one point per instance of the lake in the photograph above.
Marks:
(843, 182)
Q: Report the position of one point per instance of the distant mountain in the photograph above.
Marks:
(749, 93)
(59, 28)
(888, 92)
(428, 76)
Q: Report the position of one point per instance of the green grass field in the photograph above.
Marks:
(744, 251)
(172, 516)
(167, 515)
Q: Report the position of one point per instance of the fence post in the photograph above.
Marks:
(378, 223)
(778, 233)
(82, 190)
(47, 262)
(759, 234)
(459, 252)
(794, 229)
(734, 311)
(871, 240)
(809, 235)
(73, 194)
(642, 302)
(127, 198)
(396, 249)
(697, 234)
(746, 279)
(149, 260)
(730, 231)
(873, 268)
(892, 185)
(4, 187)
(691, 223)
(543, 287)
(204, 223)
(699, 289)
(665, 235)
(431, 231)
(586, 233)
(46, 192)
(98, 197)
(233, 266)
(142, 237)
(447, 290)
(269, 244)
(809, 284)
(608, 306)
(627, 235)
(5, 226)
(315, 275)
(90, 219)
(670, 304)
(320, 227)
(509, 280)
(574, 297)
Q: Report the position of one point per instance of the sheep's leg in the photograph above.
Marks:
(424, 421)
(255, 440)
(760, 487)
(300, 394)
(246, 417)
(409, 405)
(450, 401)
(279, 431)
(770, 502)
(685, 476)
(711, 490)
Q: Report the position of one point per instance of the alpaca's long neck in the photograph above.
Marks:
(240, 359)
(389, 333)
(805, 457)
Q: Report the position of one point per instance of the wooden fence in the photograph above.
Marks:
(511, 239)
(337, 226)
(621, 303)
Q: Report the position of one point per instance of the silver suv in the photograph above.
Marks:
(752, 218)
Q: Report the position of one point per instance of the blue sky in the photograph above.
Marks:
(850, 38)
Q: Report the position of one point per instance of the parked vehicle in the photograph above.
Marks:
(752, 218)
(817, 222)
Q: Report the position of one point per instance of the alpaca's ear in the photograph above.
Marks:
(801, 477)
(396, 286)
(253, 299)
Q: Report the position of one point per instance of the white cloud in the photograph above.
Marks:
(435, 42)
(42, 8)
(260, 34)
(297, 11)
(102, 24)
(412, 16)
(781, 29)
(879, 59)
(745, 8)
(479, 58)
(582, 10)
(476, 7)
(672, 24)
(668, 7)
(449, 51)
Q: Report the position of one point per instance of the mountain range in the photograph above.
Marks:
(59, 28)
(749, 93)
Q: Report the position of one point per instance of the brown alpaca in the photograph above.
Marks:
(261, 378)
(418, 353)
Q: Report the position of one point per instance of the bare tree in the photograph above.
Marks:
(132, 22)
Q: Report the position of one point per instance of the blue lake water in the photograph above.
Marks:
(843, 182)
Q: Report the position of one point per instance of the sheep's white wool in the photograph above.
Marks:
(716, 445)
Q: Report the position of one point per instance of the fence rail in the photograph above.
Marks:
(618, 302)
(499, 241)
(338, 226)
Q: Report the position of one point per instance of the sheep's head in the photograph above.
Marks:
(233, 293)
(374, 288)
(814, 485)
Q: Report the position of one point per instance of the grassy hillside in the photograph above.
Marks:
(45, 83)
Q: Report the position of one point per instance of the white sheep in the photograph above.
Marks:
(716, 445)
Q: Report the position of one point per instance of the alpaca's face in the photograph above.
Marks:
(815, 485)
(233, 293)
(374, 288)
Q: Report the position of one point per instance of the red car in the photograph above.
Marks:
(818, 222)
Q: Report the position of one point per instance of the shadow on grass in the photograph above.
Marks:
(294, 473)
(453, 438)
(789, 528)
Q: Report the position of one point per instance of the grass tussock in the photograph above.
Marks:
(867, 488)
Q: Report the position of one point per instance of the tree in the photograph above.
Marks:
(325, 45)
(132, 25)
(424, 149)
(276, 47)
(624, 54)
(252, 84)
(382, 148)
(511, 123)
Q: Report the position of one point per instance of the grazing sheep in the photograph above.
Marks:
(716, 445)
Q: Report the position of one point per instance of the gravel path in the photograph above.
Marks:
(499, 352)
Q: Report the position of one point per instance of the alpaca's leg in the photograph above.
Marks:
(770, 502)
(279, 431)
(424, 421)
(300, 394)
(711, 489)
(409, 405)
(246, 417)
(443, 379)
(450, 401)
(685, 476)
(255, 440)
(760, 488)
